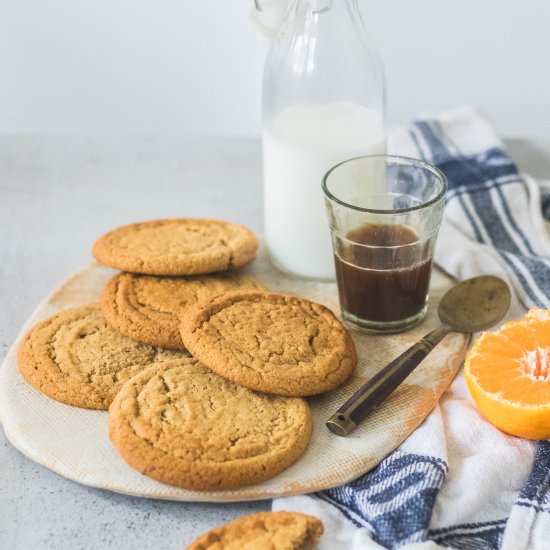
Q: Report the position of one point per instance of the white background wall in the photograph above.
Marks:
(194, 66)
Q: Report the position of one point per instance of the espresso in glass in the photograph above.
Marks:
(384, 214)
(383, 274)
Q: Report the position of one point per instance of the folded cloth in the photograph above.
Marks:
(458, 481)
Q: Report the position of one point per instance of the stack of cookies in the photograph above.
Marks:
(202, 369)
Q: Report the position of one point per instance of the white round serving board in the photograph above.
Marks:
(74, 443)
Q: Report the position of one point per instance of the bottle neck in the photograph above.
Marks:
(317, 10)
(268, 14)
(317, 6)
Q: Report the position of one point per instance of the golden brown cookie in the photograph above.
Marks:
(263, 531)
(270, 342)
(182, 424)
(147, 308)
(177, 246)
(77, 358)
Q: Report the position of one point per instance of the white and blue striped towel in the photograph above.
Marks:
(458, 481)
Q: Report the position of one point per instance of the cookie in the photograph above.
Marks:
(77, 358)
(270, 342)
(263, 530)
(183, 425)
(148, 308)
(177, 246)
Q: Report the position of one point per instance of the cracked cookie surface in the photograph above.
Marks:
(177, 246)
(148, 308)
(183, 425)
(265, 530)
(270, 342)
(77, 358)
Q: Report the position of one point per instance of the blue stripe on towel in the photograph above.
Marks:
(471, 536)
(471, 188)
(358, 521)
(511, 219)
(394, 500)
(527, 287)
(473, 170)
(536, 491)
(439, 152)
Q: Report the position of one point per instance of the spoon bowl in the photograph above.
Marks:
(475, 304)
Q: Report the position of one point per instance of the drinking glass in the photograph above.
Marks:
(384, 214)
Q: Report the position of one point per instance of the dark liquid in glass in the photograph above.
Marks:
(388, 279)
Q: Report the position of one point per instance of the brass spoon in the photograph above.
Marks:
(473, 305)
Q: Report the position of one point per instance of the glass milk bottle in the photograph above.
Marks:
(323, 103)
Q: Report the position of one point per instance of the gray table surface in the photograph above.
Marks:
(57, 195)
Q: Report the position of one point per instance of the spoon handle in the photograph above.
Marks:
(370, 395)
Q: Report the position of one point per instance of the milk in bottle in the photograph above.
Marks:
(299, 147)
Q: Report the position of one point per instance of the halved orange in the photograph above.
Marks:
(508, 375)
